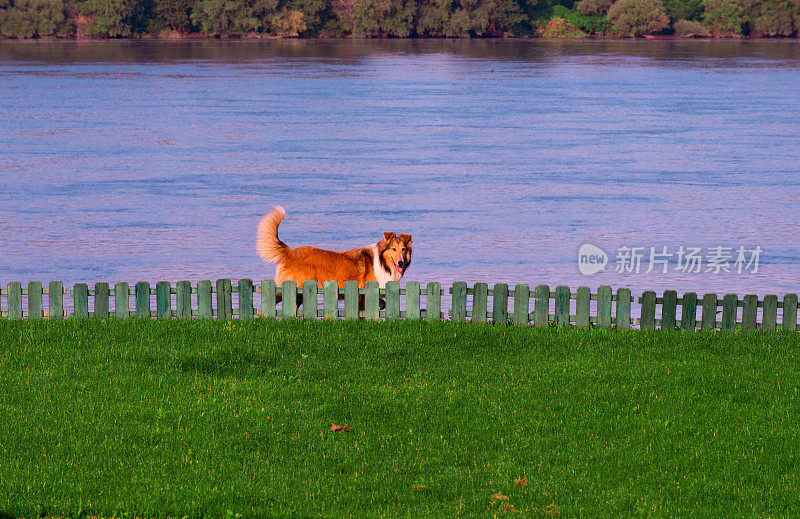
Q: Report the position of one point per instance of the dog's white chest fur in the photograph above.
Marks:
(380, 274)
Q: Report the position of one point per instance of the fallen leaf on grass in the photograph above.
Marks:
(340, 428)
(552, 510)
(499, 497)
(418, 487)
(521, 482)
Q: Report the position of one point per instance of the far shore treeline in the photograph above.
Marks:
(397, 18)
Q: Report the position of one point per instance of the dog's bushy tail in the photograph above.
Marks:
(268, 246)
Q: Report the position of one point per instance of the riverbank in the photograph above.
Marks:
(267, 37)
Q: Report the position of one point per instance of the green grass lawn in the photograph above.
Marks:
(152, 418)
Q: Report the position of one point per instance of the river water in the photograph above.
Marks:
(153, 160)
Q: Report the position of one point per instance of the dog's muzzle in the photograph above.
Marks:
(402, 265)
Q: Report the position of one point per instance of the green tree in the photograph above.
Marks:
(14, 23)
(434, 17)
(464, 18)
(112, 18)
(584, 23)
(34, 18)
(288, 24)
(225, 17)
(315, 13)
(774, 23)
(171, 14)
(773, 18)
(723, 17)
(690, 28)
(683, 9)
(594, 7)
(638, 17)
(494, 18)
(52, 18)
(377, 18)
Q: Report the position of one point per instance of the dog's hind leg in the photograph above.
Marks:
(279, 298)
(362, 304)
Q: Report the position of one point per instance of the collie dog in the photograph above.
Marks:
(384, 261)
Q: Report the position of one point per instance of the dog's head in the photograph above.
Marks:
(395, 250)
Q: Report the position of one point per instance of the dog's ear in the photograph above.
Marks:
(387, 237)
(406, 238)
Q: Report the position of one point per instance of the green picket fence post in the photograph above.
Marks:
(480, 298)
(458, 311)
(122, 301)
(268, 299)
(101, 300)
(789, 321)
(729, 308)
(433, 310)
(371, 301)
(623, 308)
(582, 304)
(412, 301)
(351, 300)
(224, 299)
(289, 299)
(769, 317)
(80, 300)
(709, 316)
(330, 303)
(14, 295)
(35, 310)
(562, 306)
(669, 310)
(689, 311)
(541, 305)
(522, 301)
(163, 300)
(309, 299)
(55, 309)
(183, 300)
(142, 295)
(245, 287)
(204, 298)
(392, 300)
(500, 304)
(604, 299)
(648, 318)
(749, 312)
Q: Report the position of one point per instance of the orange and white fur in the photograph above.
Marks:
(384, 261)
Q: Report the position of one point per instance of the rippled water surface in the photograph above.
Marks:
(128, 161)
